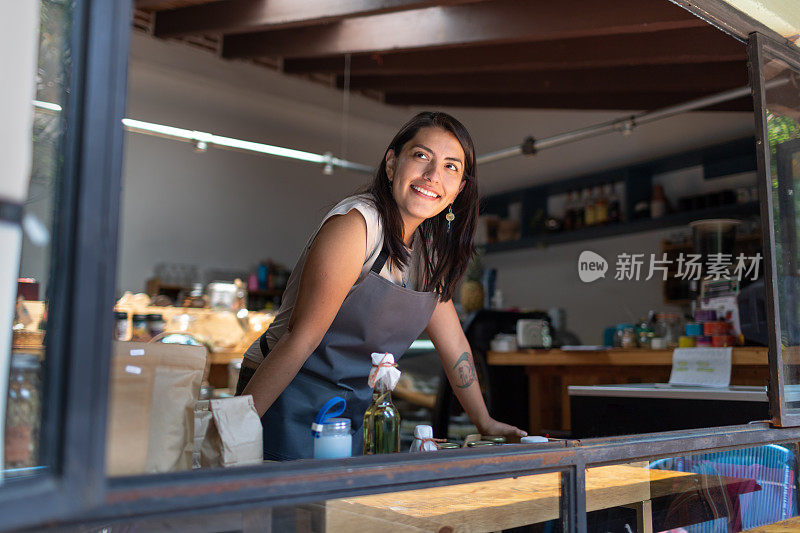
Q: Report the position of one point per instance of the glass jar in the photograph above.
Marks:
(334, 441)
(23, 412)
(644, 334)
(122, 331)
(141, 329)
(668, 326)
(625, 336)
(155, 324)
(234, 368)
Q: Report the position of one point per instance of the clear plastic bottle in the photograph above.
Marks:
(334, 440)
(381, 424)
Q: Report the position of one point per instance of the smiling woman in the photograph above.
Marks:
(349, 294)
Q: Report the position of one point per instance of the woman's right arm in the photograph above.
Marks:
(332, 267)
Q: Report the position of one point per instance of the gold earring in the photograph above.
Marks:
(449, 217)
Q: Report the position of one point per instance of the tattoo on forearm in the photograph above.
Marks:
(465, 371)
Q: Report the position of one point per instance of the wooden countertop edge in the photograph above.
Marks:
(223, 358)
(743, 355)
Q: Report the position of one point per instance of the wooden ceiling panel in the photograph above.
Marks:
(670, 78)
(615, 101)
(482, 22)
(684, 46)
(242, 16)
(570, 54)
(159, 5)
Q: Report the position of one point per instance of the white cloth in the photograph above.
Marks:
(373, 249)
(384, 374)
(422, 439)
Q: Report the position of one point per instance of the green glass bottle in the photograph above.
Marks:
(381, 424)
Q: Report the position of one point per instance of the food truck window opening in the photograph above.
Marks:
(76, 489)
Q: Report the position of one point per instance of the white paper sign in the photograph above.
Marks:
(707, 367)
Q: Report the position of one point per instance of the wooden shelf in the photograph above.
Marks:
(624, 228)
(742, 355)
(731, 157)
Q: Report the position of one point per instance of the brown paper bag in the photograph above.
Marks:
(227, 432)
(154, 388)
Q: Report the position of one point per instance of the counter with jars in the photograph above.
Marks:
(225, 332)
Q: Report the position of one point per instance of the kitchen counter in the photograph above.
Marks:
(742, 355)
(551, 372)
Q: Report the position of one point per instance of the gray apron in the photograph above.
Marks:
(376, 316)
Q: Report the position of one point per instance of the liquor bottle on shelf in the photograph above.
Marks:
(589, 212)
(601, 206)
(615, 204)
(580, 210)
(569, 212)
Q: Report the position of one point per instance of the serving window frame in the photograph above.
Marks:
(782, 414)
(76, 488)
(83, 276)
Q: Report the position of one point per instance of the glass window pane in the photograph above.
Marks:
(782, 110)
(531, 503)
(485, 506)
(712, 492)
(26, 389)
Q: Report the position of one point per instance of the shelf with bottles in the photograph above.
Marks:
(618, 201)
(677, 291)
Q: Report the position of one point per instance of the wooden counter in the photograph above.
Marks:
(551, 372)
(784, 526)
(744, 355)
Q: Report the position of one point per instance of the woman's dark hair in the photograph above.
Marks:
(445, 254)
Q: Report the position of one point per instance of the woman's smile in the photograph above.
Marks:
(427, 193)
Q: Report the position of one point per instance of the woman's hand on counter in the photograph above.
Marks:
(495, 427)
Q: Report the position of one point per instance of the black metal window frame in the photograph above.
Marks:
(82, 275)
(758, 43)
(75, 487)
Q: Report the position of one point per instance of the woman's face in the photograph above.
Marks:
(427, 174)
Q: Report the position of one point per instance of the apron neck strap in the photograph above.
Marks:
(377, 266)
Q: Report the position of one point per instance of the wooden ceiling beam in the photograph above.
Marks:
(241, 16)
(671, 78)
(500, 21)
(581, 101)
(694, 45)
(160, 5)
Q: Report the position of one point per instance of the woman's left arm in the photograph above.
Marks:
(444, 329)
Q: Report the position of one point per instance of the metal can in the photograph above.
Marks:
(478, 443)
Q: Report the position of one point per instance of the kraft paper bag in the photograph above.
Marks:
(153, 390)
(227, 432)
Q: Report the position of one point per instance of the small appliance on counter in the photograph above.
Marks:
(534, 333)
